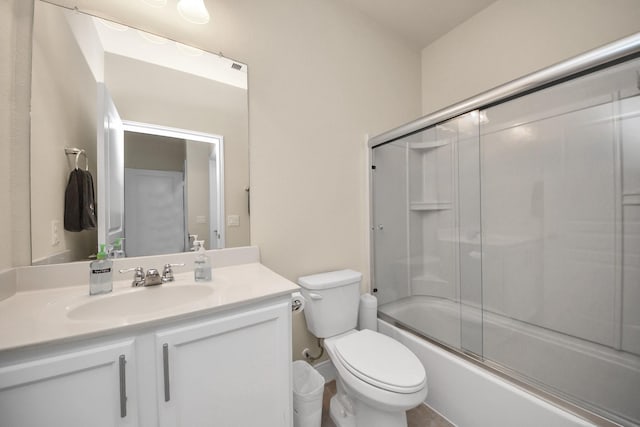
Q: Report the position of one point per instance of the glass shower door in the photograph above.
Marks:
(426, 232)
(389, 222)
(560, 211)
(513, 233)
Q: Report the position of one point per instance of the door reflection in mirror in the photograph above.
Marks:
(174, 189)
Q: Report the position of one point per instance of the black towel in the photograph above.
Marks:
(79, 202)
(72, 204)
(88, 212)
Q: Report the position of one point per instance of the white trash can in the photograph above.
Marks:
(308, 387)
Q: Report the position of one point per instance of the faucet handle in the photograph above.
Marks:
(167, 272)
(138, 276)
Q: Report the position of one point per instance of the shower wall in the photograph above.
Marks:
(630, 137)
(557, 183)
(512, 232)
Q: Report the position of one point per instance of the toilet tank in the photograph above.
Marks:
(331, 301)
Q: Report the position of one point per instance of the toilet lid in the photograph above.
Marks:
(381, 361)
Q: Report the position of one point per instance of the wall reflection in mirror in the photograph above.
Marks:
(164, 128)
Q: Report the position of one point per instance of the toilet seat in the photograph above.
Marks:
(381, 361)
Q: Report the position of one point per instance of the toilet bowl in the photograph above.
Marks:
(379, 379)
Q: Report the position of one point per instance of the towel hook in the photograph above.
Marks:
(86, 159)
(78, 152)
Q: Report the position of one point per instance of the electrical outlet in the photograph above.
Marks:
(55, 232)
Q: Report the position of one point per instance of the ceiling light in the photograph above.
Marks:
(193, 11)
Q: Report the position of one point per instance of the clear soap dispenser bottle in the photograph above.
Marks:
(202, 264)
(100, 274)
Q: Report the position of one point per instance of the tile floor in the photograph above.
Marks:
(422, 416)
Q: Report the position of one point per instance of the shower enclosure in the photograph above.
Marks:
(510, 231)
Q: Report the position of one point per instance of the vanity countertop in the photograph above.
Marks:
(40, 316)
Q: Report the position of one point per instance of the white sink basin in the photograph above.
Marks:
(140, 301)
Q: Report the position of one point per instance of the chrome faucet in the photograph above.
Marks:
(140, 279)
(152, 277)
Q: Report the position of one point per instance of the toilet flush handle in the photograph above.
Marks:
(315, 296)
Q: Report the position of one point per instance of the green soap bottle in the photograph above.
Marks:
(101, 274)
(118, 250)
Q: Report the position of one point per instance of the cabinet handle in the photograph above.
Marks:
(165, 363)
(123, 387)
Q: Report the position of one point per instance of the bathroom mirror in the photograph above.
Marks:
(161, 127)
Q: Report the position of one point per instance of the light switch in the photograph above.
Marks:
(201, 219)
(233, 220)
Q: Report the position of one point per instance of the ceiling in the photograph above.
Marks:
(420, 22)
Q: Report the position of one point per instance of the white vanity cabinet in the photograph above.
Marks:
(87, 386)
(227, 368)
(228, 371)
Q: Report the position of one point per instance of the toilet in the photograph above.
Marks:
(379, 379)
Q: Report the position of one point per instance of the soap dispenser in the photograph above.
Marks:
(202, 264)
(100, 274)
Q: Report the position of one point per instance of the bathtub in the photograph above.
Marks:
(593, 376)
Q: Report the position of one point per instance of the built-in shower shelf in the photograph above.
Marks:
(429, 144)
(430, 206)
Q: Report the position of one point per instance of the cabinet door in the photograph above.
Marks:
(231, 371)
(87, 387)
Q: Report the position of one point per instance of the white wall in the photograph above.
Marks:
(15, 49)
(512, 38)
(7, 50)
(328, 79)
(63, 113)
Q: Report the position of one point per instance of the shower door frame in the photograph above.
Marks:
(605, 56)
(617, 51)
